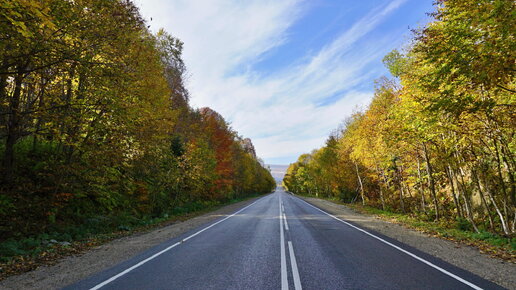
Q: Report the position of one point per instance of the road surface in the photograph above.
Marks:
(282, 242)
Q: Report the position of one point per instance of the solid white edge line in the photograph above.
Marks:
(400, 249)
(105, 282)
(284, 281)
(293, 263)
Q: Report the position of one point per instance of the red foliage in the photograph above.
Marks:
(221, 139)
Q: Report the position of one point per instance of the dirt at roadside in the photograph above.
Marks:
(465, 257)
(75, 268)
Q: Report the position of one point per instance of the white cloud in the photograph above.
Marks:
(221, 35)
(321, 121)
(282, 112)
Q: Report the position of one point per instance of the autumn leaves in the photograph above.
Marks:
(94, 109)
(438, 140)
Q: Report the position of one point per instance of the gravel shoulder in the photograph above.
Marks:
(465, 257)
(74, 268)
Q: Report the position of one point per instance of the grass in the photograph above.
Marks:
(28, 253)
(453, 230)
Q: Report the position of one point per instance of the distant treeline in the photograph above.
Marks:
(96, 125)
(438, 139)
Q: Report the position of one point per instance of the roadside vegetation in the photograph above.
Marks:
(29, 253)
(96, 131)
(435, 148)
(459, 231)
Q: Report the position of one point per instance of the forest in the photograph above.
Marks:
(437, 140)
(96, 130)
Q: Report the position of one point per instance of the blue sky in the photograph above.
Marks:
(285, 73)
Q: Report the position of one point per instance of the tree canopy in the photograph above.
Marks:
(96, 122)
(438, 139)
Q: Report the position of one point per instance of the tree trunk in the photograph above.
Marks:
(482, 198)
(386, 182)
(431, 183)
(381, 198)
(380, 186)
(12, 125)
(69, 117)
(402, 202)
(508, 161)
(506, 208)
(361, 185)
(505, 228)
(421, 190)
(3, 91)
(467, 202)
(455, 198)
(39, 120)
(400, 186)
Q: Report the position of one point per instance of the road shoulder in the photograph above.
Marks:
(75, 268)
(465, 257)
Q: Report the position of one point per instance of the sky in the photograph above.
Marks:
(285, 73)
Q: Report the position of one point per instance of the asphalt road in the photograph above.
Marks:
(282, 242)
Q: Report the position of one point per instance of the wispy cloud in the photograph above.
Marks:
(287, 112)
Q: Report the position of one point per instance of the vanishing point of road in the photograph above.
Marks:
(282, 242)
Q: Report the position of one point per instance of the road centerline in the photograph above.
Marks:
(286, 223)
(284, 280)
(293, 263)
